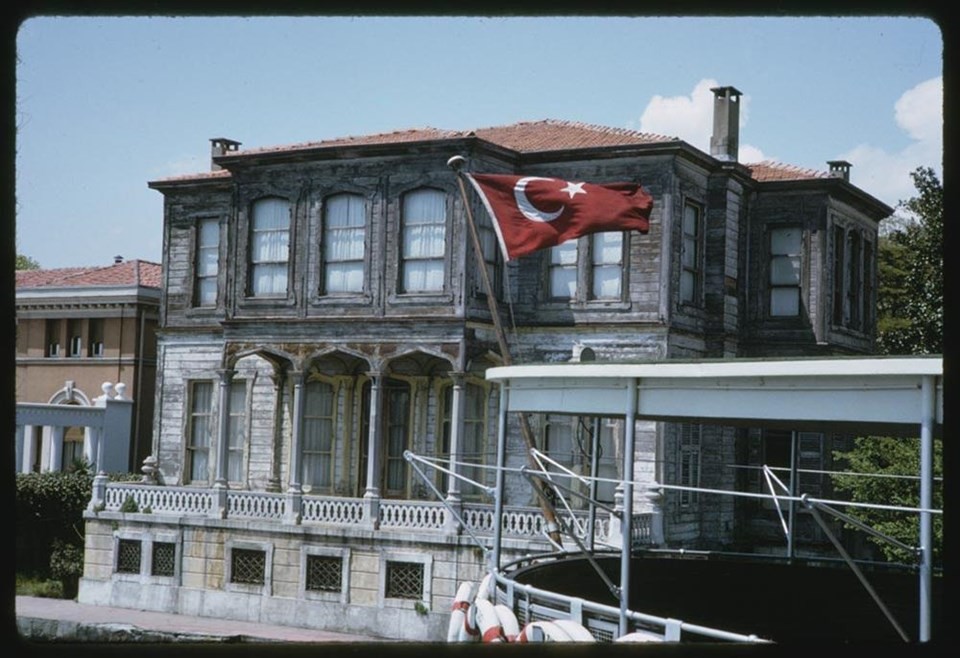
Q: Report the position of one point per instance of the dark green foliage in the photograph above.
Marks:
(910, 273)
(129, 505)
(892, 456)
(26, 263)
(66, 565)
(49, 506)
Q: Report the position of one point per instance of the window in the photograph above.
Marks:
(397, 413)
(318, 437)
(854, 284)
(95, 327)
(423, 241)
(72, 448)
(128, 555)
(558, 439)
(689, 461)
(590, 268)
(491, 250)
(248, 566)
(785, 246)
(867, 286)
(324, 573)
(199, 429)
(207, 262)
(839, 247)
(75, 332)
(563, 270)
(404, 580)
(691, 256)
(777, 448)
(607, 461)
(236, 429)
(472, 440)
(607, 264)
(344, 234)
(52, 330)
(164, 559)
(269, 247)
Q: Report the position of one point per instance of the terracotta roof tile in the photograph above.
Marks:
(554, 135)
(128, 273)
(772, 171)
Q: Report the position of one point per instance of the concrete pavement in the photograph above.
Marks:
(43, 620)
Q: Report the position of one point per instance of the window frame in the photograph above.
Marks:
(689, 462)
(479, 423)
(190, 446)
(95, 337)
(200, 249)
(325, 261)
(343, 596)
(424, 559)
(403, 258)
(251, 588)
(770, 286)
(585, 268)
(309, 487)
(696, 270)
(253, 264)
(237, 423)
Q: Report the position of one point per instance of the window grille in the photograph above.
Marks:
(247, 566)
(164, 554)
(128, 556)
(324, 573)
(405, 580)
(602, 631)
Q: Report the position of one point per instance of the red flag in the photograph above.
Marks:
(532, 212)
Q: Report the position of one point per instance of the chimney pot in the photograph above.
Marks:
(219, 146)
(725, 141)
(839, 169)
(117, 260)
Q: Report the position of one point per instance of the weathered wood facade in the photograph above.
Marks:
(323, 311)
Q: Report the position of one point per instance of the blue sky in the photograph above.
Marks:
(106, 104)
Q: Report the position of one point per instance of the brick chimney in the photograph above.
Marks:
(219, 146)
(839, 169)
(725, 141)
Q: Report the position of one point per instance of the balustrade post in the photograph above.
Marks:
(295, 488)
(655, 498)
(274, 483)
(454, 499)
(372, 494)
(220, 485)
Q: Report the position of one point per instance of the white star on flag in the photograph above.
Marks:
(573, 189)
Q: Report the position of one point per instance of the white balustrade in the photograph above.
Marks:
(337, 511)
(412, 515)
(256, 505)
(179, 500)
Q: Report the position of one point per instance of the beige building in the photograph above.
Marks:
(77, 328)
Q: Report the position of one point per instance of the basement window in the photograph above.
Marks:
(128, 555)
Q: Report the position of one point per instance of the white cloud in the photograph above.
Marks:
(691, 119)
(886, 175)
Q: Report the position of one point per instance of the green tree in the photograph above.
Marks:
(26, 263)
(910, 273)
(909, 321)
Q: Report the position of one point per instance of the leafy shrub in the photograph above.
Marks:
(129, 505)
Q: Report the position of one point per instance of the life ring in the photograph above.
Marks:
(640, 636)
(508, 622)
(488, 621)
(458, 613)
(577, 631)
(543, 631)
(485, 590)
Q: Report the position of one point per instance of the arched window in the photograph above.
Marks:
(318, 436)
(423, 241)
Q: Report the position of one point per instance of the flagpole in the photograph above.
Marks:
(549, 514)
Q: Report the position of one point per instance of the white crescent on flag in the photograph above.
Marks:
(530, 211)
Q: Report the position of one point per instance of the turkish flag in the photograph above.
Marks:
(532, 213)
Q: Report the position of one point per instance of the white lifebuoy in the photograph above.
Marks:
(469, 632)
(577, 632)
(640, 636)
(458, 613)
(488, 621)
(508, 622)
(543, 631)
(485, 590)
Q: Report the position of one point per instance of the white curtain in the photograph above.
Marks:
(607, 269)
(424, 240)
(343, 243)
(318, 436)
(208, 254)
(270, 246)
(200, 409)
(563, 270)
(236, 430)
(785, 246)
